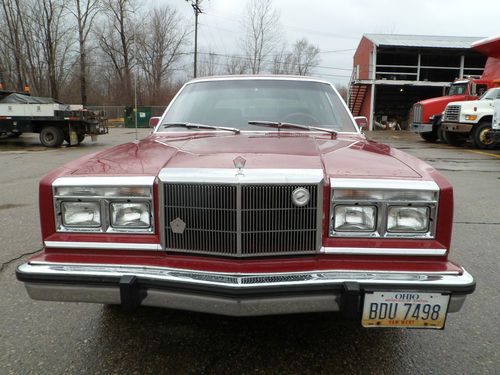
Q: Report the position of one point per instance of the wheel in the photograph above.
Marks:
(51, 136)
(429, 136)
(80, 138)
(481, 137)
(453, 138)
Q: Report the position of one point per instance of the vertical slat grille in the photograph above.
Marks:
(240, 220)
(271, 223)
(417, 113)
(209, 212)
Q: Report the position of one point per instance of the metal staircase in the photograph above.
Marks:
(357, 94)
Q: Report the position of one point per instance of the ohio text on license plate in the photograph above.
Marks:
(405, 309)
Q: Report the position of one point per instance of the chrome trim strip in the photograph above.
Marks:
(102, 245)
(245, 176)
(242, 280)
(104, 181)
(359, 183)
(383, 251)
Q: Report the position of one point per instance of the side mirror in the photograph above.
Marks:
(362, 123)
(153, 121)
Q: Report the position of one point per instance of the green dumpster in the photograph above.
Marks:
(143, 116)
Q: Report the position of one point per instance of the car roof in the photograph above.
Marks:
(281, 77)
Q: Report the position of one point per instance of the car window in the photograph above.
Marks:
(235, 102)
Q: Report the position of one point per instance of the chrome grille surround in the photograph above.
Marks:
(417, 113)
(244, 213)
(452, 113)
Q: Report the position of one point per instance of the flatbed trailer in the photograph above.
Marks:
(55, 122)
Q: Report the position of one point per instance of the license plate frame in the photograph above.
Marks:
(405, 309)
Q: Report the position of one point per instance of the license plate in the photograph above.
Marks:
(405, 309)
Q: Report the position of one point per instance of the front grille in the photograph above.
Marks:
(452, 113)
(417, 113)
(240, 220)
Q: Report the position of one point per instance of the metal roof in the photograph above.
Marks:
(423, 41)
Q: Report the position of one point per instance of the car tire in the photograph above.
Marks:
(51, 136)
(481, 137)
(453, 138)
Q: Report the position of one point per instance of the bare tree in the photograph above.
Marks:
(115, 40)
(159, 46)
(84, 12)
(261, 33)
(209, 64)
(52, 34)
(236, 65)
(11, 37)
(305, 57)
(283, 62)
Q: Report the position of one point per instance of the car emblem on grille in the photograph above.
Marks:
(300, 196)
(178, 225)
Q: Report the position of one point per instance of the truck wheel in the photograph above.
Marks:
(80, 138)
(453, 138)
(51, 136)
(481, 135)
(429, 136)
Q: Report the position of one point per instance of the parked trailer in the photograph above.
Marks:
(55, 122)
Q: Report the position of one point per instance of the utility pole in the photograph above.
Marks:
(197, 10)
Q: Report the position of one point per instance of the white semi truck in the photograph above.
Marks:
(471, 120)
(55, 122)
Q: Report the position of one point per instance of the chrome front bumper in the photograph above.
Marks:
(418, 127)
(230, 294)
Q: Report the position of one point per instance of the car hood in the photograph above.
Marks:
(474, 103)
(441, 100)
(346, 156)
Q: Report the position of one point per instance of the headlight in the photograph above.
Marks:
(130, 215)
(378, 208)
(407, 219)
(355, 218)
(104, 204)
(81, 214)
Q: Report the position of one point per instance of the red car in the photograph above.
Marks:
(254, 195)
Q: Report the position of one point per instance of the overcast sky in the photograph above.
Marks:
(335, 25)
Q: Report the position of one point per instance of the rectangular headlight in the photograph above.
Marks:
(81, 214)
(130, 215)
(355, 218)
(407, 219)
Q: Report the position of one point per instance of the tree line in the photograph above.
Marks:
(100, 52)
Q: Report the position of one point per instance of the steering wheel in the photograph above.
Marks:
(302, 118)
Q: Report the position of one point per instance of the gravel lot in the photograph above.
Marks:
(64, 338)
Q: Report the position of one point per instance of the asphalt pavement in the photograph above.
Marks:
(75, 338)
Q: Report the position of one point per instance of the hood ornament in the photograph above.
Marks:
(239, 162)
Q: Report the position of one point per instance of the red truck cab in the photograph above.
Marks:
(427, 113)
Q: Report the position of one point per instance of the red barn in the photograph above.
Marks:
(391, 72)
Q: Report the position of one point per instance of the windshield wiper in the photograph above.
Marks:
(193, 125)
(280, 125)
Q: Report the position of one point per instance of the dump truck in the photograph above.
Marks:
(54, 121)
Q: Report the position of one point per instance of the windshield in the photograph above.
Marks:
(458, 89)
(235, 102)
(491, 94)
